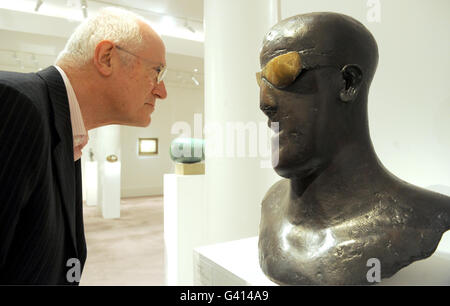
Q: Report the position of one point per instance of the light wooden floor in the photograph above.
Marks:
(128, 250)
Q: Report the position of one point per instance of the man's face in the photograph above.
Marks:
(139, 89)
(304, 111)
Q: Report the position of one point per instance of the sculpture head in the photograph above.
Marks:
(315, 78)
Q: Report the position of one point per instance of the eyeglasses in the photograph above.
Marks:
(283, 70)
(161, 69)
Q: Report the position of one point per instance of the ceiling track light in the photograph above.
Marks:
(195, 81)
(187, 26)
(84, 8)
(38, 5)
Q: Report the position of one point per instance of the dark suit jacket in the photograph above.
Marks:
(41, 219)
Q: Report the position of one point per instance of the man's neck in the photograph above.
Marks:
(91, 106)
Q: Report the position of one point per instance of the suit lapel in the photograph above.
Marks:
(63, 152)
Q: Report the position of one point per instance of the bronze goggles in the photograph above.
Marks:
(281, 71)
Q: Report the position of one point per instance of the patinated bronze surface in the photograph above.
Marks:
(337, 206)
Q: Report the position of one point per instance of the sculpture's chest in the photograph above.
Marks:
(339, 255)
(298, 256)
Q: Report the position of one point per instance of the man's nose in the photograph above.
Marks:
(160, 90)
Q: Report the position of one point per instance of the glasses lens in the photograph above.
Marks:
(162, 74)
(282, 70)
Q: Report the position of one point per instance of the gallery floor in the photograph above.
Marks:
(128, 250)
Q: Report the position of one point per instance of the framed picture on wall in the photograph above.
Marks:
(148, 146)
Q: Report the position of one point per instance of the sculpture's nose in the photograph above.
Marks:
(267, 102)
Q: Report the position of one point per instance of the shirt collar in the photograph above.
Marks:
(79, 132)
(76, 118)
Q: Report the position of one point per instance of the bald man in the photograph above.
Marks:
(338, 206)
(110, 72)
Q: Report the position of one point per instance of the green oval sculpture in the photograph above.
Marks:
(187, 150)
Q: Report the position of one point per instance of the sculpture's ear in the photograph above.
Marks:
(352, 76)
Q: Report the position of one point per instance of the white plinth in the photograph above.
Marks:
(111, 190)
(235, 263)
(185, 216)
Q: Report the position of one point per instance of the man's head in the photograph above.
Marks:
(316, 73)
(123, 55)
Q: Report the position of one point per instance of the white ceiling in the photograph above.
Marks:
(192, 9)
(32, 40)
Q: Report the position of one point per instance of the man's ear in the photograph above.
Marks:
(352, 76)
(103, 57)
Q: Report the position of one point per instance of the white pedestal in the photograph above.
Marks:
(91, 168)
(111, 190)
(184, 225)
(235, 263)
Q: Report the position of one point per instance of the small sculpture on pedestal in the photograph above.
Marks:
(188, 154)
(91, 155)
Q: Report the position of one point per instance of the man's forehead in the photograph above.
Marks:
(154, 46)
(155, 51)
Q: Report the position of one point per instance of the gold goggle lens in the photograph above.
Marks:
(281, 70)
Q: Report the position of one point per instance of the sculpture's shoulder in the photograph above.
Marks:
(436, 203)
(275, 194)
(273, 207)
(418, 206)
(408, 223)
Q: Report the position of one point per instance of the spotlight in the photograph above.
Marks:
(195, 81)
(84, 8)
(187, 26)
(38, 5)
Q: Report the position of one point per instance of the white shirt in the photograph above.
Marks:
(80, 135)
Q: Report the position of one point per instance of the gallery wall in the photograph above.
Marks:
(143, 176)
(409, 101)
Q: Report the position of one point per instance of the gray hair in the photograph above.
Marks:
(117, 25)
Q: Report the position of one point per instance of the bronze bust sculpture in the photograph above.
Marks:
(337, 206)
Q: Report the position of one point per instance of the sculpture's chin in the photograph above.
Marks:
(284, 172)
(299, 169)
